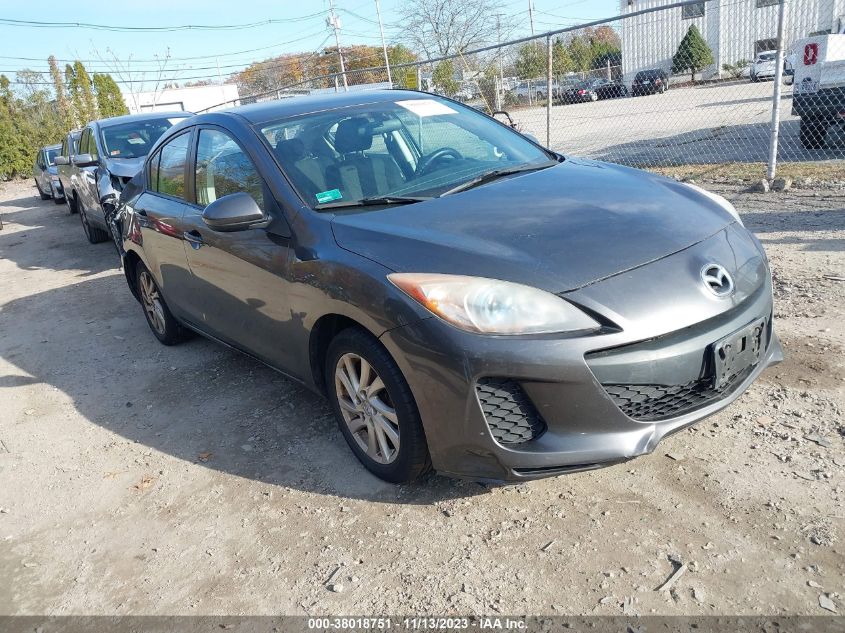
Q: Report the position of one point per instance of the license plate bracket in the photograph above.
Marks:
(737, 352)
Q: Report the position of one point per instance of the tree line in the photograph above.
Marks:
(41, 111)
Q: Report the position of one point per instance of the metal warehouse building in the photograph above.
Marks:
(735, 29)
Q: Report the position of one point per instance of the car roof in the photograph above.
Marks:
(294, 106)
(146, 116)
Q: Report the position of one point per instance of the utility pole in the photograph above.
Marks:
(501, 80)
(771, 170)
(531, 15)
(334, 22)
(384, 44)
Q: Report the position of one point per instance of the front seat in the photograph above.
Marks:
(307, 172)
(359, 175)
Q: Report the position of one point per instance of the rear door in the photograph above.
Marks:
(160, 210)
(86, 177)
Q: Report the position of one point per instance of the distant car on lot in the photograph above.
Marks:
(534, 90)
(64, 166)
(446, 282)
(46, 176)
(110, 152)
(607, 89)
(763, 66)
(818, 94)
(649, 82)
(580, 92)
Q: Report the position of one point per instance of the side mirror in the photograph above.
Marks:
(84, 160)
(235, 212)
(531, 137)
(61, 160)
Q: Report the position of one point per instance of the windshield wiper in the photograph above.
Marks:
(496, 174)
(374, 201)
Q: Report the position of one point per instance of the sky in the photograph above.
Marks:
(297, 27)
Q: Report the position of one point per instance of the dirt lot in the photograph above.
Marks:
(139, 479)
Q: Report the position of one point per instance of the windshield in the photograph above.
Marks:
(134, 139)
(410, 148)
(51, 155)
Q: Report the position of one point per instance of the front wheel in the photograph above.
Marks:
(374, 407)
(44, 196)
(812, 132)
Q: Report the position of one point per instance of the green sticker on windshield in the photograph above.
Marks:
(329, 196)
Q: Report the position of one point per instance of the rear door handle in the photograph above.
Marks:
(194, 239)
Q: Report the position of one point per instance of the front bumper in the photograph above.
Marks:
(583, 428)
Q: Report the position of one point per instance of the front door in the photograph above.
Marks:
(239, 290)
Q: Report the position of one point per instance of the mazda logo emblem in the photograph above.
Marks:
(717, 280)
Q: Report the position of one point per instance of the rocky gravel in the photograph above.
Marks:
(141, 479)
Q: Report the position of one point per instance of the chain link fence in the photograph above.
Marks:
(683, 83)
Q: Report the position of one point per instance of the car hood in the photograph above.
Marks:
(557, 229)
(125, 167)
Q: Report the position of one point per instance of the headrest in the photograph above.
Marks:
(353, 135)
(291, 150)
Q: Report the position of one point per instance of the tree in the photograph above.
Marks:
(448, 27)
(693, 53)
(109, 98)
(561, 59)
(89, 102)
(404, 77)
(530, 61)
(444, 77)
(581, 53)
(62, 103)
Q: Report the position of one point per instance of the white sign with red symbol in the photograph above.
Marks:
(811, 53)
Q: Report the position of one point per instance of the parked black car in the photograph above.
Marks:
(46, 176)
(607, 89)
(447, 283)
(110, 152)
(581, 92)
(64, 167)
(649, 82)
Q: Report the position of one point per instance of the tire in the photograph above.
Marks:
(72, 206)
(94, 235)
(812, 133)
(44, 196)
(163, 324)
(374, 439)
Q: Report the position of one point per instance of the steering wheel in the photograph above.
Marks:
(429, 159)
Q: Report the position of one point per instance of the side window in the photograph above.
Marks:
(224, 168)
(75, 148)
(152, 179)
(170, 167)
(64, 147)
(92, 143)
(83, 142)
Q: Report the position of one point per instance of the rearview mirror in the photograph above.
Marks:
(235, 212)
(84, 160)
(61, 160)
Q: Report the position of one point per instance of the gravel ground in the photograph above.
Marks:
(140, 479)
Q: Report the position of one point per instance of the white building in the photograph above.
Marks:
(190, 99)
(735, 29)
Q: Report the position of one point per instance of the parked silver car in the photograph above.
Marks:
(46, 176)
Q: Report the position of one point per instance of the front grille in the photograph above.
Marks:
(511, 416)
(652, 403)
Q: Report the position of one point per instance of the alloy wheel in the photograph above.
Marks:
(152, 302)
(367, 408)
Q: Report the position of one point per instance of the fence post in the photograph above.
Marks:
(775, 125)
(419, 77)
(549, 91)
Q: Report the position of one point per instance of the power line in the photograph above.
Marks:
(157, 29)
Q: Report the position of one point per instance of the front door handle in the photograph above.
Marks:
(194, 239)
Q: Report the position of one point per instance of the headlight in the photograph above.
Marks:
(727, 206)
(489, 306)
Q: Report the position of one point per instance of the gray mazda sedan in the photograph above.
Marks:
(467, 300)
